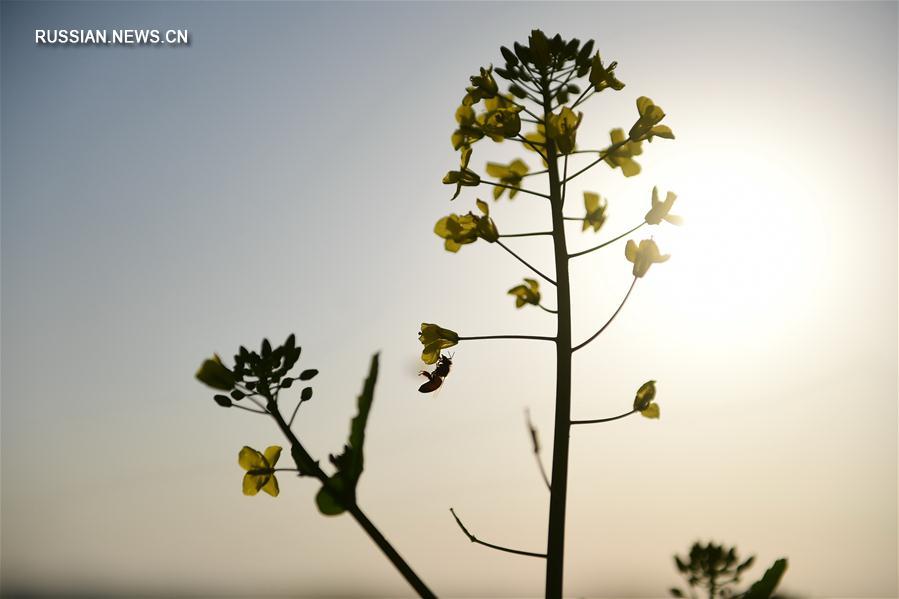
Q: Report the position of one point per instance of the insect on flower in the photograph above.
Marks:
(435, 379)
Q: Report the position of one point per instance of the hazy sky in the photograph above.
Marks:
(282, 174)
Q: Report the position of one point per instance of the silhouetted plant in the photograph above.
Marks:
(545, 88)
(717, 570)
(259, 378)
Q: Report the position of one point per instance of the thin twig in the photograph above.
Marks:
(551, 311)
(594, 421)
(527, 234)
(602, 157)
(234, 405)
(521, 189)
(522, 260)
(484, 337)
(608, 322)
(535, 442)
(294, 415)
(474, 539)
(604, 244)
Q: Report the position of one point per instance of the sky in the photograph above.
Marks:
(281, 174)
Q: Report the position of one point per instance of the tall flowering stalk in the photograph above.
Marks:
(548, 80)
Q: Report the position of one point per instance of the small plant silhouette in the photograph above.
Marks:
(545, 86)
(716, 569)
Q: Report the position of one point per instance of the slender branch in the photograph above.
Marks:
(581, 97)
(483, 337)
(234, 405)
(572, 218)
(527, 234)
(596, 420)
(584, 97)
(294, 415)
(602, 156)
(542, 307)
(536, 173)
(474, 539)
(608, 322)
(521, 189)
(535, 442)
(305, 464)
(604, 244)
(522, 260)
(564, 180)
(534, 147)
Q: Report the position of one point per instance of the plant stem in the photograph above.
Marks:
(598, 420)
(608, 322)
(555, 544)
(604, 244)
(474, 539)
(306, 464)
(523, 261)
(482, 337)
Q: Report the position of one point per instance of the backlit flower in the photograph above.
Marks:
(643, 402)
(643, 256)
(260, 470)
(529, 293)
(435, 338)
(659, 210)
(596, 211)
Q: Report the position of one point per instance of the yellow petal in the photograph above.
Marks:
(271, 487)
(272, 454)
(252, 483)
(652, 411)
(630, 251)
(250, 459)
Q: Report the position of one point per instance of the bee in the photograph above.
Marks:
(435, 379)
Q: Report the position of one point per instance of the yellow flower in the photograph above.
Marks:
(645, 127)
(468, 131)
(483, 85)
(643, 256)
(621, 153)
(538, 139)
(463, 176)
(659, 210)
(596, 211)
(602, 77)
(529, 293)
(435, 339)
(508, 174)
(562, 128)
(213, 373)
(500, 124)
(643, 402)
(260, 470)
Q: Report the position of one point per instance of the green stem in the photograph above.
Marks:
(521, 189)
(306, 464)
(608, 322)
(597, 420)
(604, 244)
(555, 543)
(474, 539)
(528, 234)
(523, 261)
(483, 337)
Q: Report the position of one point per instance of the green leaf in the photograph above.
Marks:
(764, 588)
(350, 463)
(306, 394)
(327, 503)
